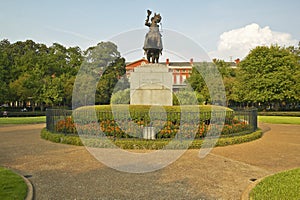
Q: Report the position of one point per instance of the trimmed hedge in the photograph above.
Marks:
(141, 112)
(24, 114)
(280, 113)
(60, 138)
(144, 144)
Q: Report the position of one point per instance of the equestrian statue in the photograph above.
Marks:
(153, 43)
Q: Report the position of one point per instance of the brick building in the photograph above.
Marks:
(181, 70)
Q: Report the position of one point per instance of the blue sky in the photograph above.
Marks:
(221, 27)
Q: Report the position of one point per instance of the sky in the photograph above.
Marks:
(223, 29)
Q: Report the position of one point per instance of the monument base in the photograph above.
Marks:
(151, 84)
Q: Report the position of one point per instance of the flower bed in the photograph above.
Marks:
(164, 130)
(168, 122)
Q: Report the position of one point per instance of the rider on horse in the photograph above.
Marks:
(153, 42)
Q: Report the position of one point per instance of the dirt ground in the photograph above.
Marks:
(59, 171)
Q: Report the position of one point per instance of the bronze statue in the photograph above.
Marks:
(153, 43)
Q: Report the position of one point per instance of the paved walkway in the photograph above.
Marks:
(69, 172)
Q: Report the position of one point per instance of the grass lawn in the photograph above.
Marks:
(279, 119)
(284, 185)
(12, 186)
(22, 120)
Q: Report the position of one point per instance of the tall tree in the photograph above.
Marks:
(268, 75)
(108, 81)
(208, 73)
(97, 58)
(102, 66)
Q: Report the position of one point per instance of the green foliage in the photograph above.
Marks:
(12, 186)
(269, 74)
(121, 97)
(284, 185)
(100, 56)
(239, 139)
(60, 138)
(197, 81)
(37, 73)
(145, 144)
(186, 97)
(141, 112)
(109, 79)
(204, 74)
(45, 76)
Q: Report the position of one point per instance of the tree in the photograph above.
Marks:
(97, 58)
(52, 91)
(229, 78)
(268, 76)
(206, 79)
(108, 80)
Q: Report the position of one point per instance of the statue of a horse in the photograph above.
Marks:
(153, 55)
(153, 42)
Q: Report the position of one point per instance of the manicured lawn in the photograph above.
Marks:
(279, 119)
(23, 120)
(285, 185)
(12, 186)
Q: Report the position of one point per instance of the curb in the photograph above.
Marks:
(29, 188)
(245, 195)
(30, 193)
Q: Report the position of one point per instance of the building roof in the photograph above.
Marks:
(171, 64)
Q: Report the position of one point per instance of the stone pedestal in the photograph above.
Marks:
(151, 84)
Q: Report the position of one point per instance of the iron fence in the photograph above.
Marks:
(143, 124)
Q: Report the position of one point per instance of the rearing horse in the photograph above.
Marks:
(153, 42)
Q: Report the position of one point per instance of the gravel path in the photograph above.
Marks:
(70, 172)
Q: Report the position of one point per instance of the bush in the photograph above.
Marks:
(141, 113)
(239, 139)
(186, 97)
(144, 144)
(60, 138)
(121, 97)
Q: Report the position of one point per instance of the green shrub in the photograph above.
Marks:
(239, 139)
(121, 97)
(60, 138)
(186, 97)
(144, 144)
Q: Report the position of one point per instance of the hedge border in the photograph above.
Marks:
(280, 113)
(147, 144)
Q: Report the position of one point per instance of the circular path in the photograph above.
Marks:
(59, 171)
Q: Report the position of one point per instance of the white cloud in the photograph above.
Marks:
(238, 42)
